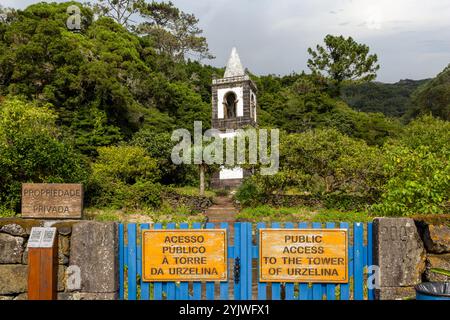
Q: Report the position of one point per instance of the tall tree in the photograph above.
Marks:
(6, 14)
(343, 59)
(173, 31)
(119, 10)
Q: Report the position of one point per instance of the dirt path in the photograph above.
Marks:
(224, 210)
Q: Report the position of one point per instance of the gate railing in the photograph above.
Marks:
(243, 264)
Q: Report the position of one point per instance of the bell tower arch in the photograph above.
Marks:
(234, 97)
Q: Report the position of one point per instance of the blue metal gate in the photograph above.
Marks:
(242, 259)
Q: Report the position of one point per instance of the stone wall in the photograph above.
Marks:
(436, 238)
(195, 203)
(347, 202)
(405, 250)
(92, 246)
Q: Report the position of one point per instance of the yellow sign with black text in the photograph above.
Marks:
(184, 255)
(303, 255)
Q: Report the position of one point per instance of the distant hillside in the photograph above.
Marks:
(390, 99)
(433, 97)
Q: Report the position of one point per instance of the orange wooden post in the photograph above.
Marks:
(42, 264)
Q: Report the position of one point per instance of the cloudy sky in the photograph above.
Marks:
(411, 37)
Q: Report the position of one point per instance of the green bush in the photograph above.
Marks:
(327, 161)
(300, 214)
(222, 193)
(249, 193)
(31, 150)
(158, 145)
(5, 212)
(418, 169)
(143, 194)
(124, 177)
(326, 164)
(419, 183)
(345, 202)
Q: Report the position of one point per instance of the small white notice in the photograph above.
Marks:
(42, 237)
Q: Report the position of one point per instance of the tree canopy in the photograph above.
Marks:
(433, 97)
(171, 31)
(343, 59)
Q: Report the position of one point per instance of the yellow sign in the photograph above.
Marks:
(303, 255)
(184, 255)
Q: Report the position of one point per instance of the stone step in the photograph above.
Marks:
(219, 216)
(225, 214)
(225, 211)
(223, 200)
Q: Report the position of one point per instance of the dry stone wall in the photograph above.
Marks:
(436, 238)
(406, 250)
(92, 246)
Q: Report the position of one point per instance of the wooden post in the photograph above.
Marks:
(42, 264)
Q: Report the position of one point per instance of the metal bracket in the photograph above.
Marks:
(237, 270)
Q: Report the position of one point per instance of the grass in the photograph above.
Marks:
(6, 213)
(107, 215)
(163, 215)
(435, 219)
(300, 214)
(294, 192)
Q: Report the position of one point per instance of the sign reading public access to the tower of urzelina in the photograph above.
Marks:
(296, 255)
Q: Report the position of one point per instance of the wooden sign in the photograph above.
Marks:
(51, 200)
(303, 255)
(42, 264)
(184, 255)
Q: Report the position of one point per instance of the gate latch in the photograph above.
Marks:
(237, 270)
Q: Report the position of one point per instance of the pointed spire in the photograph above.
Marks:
(234, 66)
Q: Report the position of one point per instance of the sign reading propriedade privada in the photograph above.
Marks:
(52, 200)
(303, 255)
(184, 255)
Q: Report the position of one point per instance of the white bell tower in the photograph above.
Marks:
(234, 106)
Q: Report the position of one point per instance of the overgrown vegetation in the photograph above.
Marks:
(98, 107)
(393, 100)
(300, 214)
(124, 177)
(32, 149)
(408, 174)
(433, 97)
(165, 214)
